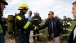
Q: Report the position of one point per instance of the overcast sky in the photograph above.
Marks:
(59, 7)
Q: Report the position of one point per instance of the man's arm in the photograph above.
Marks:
(24, 23)
(44, 25)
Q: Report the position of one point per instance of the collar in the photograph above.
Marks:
(52, 18)
(29, 15)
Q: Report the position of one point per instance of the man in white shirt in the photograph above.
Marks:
(28, 31)
(72, 37)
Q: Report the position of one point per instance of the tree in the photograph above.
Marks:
(74, 19)
(69, 19)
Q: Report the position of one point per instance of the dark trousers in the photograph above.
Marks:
(20, 38)
(34, 33)
(2, 38)
(65, 36)
(50, 37)
(27, 36)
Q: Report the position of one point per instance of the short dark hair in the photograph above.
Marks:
(30, 12)
(74, 3)
(52, 12)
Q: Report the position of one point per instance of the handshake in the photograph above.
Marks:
(36, 28)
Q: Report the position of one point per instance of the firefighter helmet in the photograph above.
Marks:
(23, 6)
(4, 1)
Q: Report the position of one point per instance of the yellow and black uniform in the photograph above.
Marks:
(21, 26)
(36, 20)
(66, 24)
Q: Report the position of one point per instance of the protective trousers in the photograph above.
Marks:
(20, 38)
(65, 32)
(35, 35)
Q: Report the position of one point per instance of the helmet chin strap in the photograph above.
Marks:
(22, 13)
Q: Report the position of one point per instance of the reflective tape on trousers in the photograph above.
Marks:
(1, 31)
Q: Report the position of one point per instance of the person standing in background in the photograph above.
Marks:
(28, 31)
(66, 24)
(36, 20)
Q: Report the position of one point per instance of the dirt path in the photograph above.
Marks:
(10, 41)
(13, 41)
(31, 39)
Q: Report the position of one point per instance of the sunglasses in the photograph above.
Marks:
(48, 14)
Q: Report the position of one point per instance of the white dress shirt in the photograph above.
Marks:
(74, 33)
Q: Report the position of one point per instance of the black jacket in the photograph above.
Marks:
(57, 26)
(19, 24)
(36, 20)
(70, 39)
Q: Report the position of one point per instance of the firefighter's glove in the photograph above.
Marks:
(36, 28)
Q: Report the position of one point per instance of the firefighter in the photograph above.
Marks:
(36, 20)
(2, 6)
(22, 24)
(28, 31)
(66, 24)
(39, 18)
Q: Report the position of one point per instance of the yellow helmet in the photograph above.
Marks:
(4, 1)
(23, 6)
